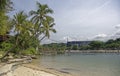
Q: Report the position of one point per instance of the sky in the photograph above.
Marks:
(79, 19)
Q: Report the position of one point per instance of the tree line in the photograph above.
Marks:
(99, 45)
(93, 45)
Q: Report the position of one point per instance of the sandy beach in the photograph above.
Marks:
(28, 70)
(25, 71)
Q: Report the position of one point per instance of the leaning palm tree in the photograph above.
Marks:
(42, 21)
(47, 28)
(23, 30)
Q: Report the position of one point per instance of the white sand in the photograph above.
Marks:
(28, 70)
(24, 71)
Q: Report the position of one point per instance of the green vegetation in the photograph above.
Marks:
(28, 29)
(61, 48)
(58, 48)
(99, 45)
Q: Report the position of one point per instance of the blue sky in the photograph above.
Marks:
(80, 19)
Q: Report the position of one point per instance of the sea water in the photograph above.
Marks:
(84, 64)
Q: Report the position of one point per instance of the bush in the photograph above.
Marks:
(5, 46)
(29, 51)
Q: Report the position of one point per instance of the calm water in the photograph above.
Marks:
(85, 64)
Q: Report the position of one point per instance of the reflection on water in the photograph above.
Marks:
(85, 64)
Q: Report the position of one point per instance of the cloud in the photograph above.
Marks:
(94, 11)
(68, 38)
(116, 34)
(117, 26)
(102, 37)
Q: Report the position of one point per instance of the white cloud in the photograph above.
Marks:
(68, 38)
(102, 37)
(115, 35)
(117, 26)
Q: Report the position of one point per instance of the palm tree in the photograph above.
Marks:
(47, 28)
(19, 21)
(3, 23)
(43, 22)
(5, 5)
(24, 32)
(20, 25)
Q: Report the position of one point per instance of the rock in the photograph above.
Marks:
(33, 57)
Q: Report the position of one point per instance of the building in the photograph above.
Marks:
(78, 43)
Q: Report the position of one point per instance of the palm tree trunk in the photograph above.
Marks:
(42, 38)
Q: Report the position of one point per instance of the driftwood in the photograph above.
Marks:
(23, 60)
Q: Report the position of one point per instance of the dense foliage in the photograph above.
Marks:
(58, 48)
(27, 29)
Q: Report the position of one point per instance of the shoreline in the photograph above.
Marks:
(92, 51)
(47, 70)
(29, 69)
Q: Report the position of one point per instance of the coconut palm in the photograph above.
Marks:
(43, 22)
(20, 30)
(5, 5)
(19, 22)
(3, 23)
(24, 31)
(47, 28)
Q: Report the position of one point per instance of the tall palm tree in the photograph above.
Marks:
(47, 28)
(19, 21)
(24, 30)
(43, 22)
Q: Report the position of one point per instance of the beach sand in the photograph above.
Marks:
(25, 71)
(29, 70)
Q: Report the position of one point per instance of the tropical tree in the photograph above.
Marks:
(29, 33)
(96, 45)
(24, 31)
(42, 21)
(5, 5)
(4, 23)
(21, 29)
(19, 24)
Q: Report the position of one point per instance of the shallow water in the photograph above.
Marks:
(84, 64)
